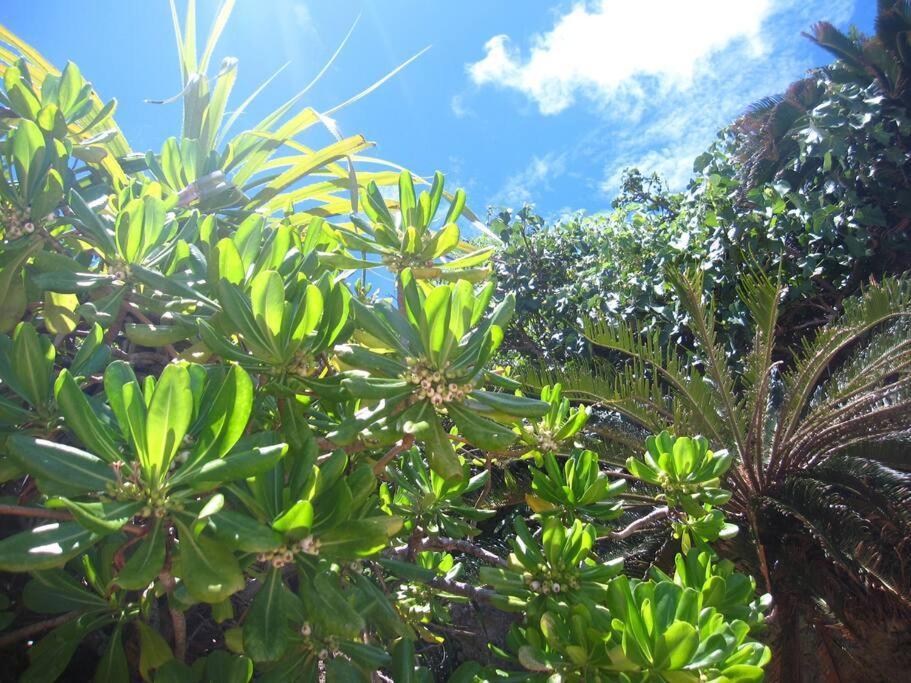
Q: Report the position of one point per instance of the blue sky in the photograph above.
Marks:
(516, 101)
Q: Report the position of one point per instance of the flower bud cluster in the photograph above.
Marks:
(302, 365)
(435, 385)
(278, 558)
(547, 443)
(309, 545)
(16, 221)
(680, 487)
(398, 262)
(120, 270)
(554, 583)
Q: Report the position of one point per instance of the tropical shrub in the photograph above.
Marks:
(823, 512)
(811, 184)
(222, 457)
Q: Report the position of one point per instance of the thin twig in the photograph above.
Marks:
(179, 623)
(33, 629)
(657, 513)
(61, 515)
(456, 545)
(380, 466)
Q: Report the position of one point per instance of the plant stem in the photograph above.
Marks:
(461, 546)
(179, 623)
(37, 627)
(633, 527)
(61, 515)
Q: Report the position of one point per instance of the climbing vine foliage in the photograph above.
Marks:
(223, 456)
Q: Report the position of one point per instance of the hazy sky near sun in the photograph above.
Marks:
(516, 100)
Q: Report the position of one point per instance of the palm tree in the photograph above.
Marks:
(825, 521)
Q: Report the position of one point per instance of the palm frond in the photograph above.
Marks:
(878, 304)
(701, 321)
(633, 393)
(675, 374)
(858, 513)
(761, 295)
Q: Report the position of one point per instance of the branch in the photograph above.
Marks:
(380, 466)
(460, 588)
(61, 515)
(657, 513)
(461, 546)
(37, 627)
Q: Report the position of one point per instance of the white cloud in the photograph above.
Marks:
(302, 16)
(459, 109)
(663, 76)
(519, 188)
(617, 46)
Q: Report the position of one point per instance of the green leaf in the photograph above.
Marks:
(44, 547)
(82, 419)
(170, 412)
(223, 421)
(29, 156)
(56, 592)
(232, 467)
(296, 521)
(480, 431)
(443, 459)
(113, 667)
(126, 400)
(403, 658)
(101, 517)
(63, 464)
(208, 568)
(676, 646)
(146, 561)
(239, 531)
(153, 650)
(50, 657)
(359, 537)
(267, 299)
(223, 667)
(266, 626)
(520, 406)
(33, 355)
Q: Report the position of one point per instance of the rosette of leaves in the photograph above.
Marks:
(156, 453)
(335, 622)
(87, 597)
(578, 489)
(431, 503)
(557, 427)
(298, 511)
(689, 475)
(137, 239)
(560, 567)
(50, 124)
(426, 364)
(283, 326)
(406, 240)
(85, 593)
(420, 604)
(647, 631)
(721, 587)
(27, 402)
